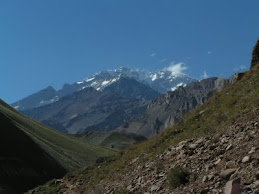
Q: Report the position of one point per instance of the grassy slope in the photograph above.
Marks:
(216, 114)
(69, 151)
(114, 140)
(23, 163)
(120, 141)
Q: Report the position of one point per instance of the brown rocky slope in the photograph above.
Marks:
(210, 161)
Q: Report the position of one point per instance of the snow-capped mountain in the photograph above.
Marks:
(161, 81)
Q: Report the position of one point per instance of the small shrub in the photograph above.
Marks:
(160, 166)
(177, 176)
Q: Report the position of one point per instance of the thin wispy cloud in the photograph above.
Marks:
(240, 68)
(176, 68)
(152, 55)
(209, 52)
(163, 60)
(204, 75)
(160, 59)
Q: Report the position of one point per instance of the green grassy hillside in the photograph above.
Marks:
(71, 152)
(121, 141)
(236, 101)
(23, 163)
(114, 140)
(31, 153)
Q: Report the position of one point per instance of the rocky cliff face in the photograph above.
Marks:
(255, 54)
(166, 110)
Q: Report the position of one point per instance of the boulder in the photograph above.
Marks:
(227, 173)
(233, 187)
(246, 159)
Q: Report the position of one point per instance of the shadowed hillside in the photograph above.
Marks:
(23, 163)
(31, 154)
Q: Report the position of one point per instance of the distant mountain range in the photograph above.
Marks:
(160, 81)
(123, 99)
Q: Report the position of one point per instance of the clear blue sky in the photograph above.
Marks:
(52, 42)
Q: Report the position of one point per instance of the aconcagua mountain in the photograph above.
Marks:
(161, 81)
(89, 109)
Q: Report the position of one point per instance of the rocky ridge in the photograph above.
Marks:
(169, 108)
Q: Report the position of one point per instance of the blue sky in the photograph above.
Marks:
(50, 42)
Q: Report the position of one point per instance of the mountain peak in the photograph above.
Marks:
(162, 81)
(167, 79)
(123, 69)
(50, 88)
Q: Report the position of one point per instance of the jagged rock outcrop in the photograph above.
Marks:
(255, 54)
(166, 110)
(236, 77)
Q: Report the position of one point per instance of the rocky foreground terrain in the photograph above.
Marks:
(218, 164)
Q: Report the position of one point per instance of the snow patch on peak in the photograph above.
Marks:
(178, 85)
(104, 83)
(114, 80)
(86, 80)
(94, 83)
(55, 99)
(162, 80)
(153, 77)
(173, 88)
(181, 84)
(89, 79)
(84, 87)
